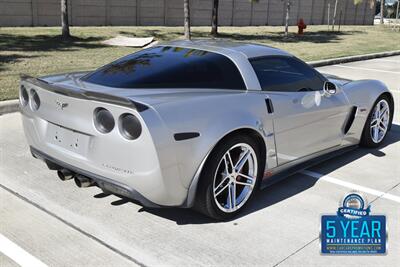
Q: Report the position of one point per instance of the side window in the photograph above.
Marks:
(285, 74)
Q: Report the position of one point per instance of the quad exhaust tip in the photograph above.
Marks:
(65, 174)
(82, 181)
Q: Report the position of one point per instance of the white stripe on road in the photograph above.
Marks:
(368, 69)
(361, 188)
(17, 254)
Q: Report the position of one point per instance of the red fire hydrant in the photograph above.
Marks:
(301, 25)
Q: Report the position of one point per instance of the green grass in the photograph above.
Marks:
(40, 51)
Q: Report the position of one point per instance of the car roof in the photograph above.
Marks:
(227, 47)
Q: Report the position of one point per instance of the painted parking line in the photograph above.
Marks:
(368, 69)
(352, 186)
(17, 254)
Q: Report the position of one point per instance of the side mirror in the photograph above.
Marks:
(330, 88)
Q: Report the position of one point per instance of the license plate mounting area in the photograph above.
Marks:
(71, 140)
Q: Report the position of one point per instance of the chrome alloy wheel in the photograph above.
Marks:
(235, 177)
(380, 121)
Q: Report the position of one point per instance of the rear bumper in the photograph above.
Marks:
(105, 183)
(151, 189)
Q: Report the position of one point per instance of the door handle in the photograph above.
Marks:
(270, 107)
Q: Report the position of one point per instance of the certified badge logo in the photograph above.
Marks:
(353, 230)
(354, 206)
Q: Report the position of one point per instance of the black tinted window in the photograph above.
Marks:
(170, 67)
(285, 74)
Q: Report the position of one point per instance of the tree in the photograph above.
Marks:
(392, 10)
(334, 15)
(382, 9)
(287, 17)
(64, 19)
(186, 11)
(214, 18)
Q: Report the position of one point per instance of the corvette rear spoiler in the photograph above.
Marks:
(84, 94)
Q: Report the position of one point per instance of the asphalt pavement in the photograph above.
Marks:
(49, 222)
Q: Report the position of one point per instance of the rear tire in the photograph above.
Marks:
(378, 123)
(232, 169)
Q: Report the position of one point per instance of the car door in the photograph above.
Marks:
(305, 119)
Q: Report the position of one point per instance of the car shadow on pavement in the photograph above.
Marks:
(275, 193)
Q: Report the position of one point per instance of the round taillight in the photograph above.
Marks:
(23, 96)
(103, 120)
(129, 126)
(35, 100)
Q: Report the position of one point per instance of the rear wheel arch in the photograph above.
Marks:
(205, 200)
(256, 136)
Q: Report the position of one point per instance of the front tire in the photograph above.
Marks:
(378, 123)
(229, 178)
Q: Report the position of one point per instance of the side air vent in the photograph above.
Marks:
(350, 120)
(270, 107)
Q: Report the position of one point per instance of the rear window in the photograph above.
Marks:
(170, 67)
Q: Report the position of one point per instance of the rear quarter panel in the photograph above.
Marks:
(213, 116)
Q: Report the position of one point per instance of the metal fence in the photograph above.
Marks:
(170, 12)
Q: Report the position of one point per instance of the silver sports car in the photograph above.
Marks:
(199, 124)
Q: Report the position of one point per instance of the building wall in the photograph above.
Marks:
(170, 12)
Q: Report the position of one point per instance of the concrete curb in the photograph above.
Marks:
(9, 106)
(341, 60)
(13, 105)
